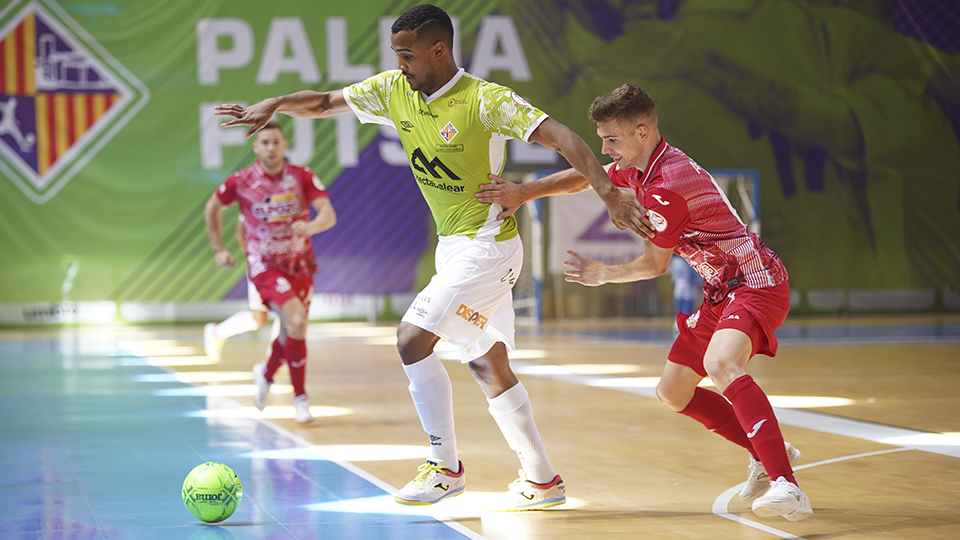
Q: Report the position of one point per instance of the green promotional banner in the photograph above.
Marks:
(109, 148)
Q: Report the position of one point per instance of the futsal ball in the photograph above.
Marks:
(212, 492)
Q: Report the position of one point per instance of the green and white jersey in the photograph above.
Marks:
(453, 140)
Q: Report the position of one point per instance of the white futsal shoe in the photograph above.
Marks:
(301, 410)
(262, 386)
(212, 345)
(758, 481)
(433, 484)
(783, 499)
(527, 495)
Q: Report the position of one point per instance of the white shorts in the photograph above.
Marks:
(469, 303)
(253, 297)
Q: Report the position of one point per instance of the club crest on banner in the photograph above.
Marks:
(62, 97)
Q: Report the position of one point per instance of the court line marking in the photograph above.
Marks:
(935, 443)
(721, 504)
(431, 511)
(905, 439)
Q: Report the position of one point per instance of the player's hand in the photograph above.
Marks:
(224, 259)
(583, 270)
(301, 228)
(256, 115)
(499, 191)
(626, 212)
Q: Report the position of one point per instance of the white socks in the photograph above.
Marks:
(240, 322)
(432, 395)
(514, 414)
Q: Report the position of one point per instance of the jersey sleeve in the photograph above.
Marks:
(668, 213)
(619, 177)
(370, 99)
(227, 192)
(313, 187)
(506, 114)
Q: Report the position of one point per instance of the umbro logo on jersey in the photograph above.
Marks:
(756, 428)
(406, 125)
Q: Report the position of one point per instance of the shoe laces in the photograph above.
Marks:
(520, 483)
(757, 470)
(426, 472)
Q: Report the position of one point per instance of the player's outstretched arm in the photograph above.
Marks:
(652, 263)
(510, 195)
(213, 218)
(303, 104)
(624, 208)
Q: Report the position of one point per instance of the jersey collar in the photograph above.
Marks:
(262, 172)
(654, 158)
(443, 89)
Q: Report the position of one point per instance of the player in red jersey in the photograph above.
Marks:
(275, 199)
(746, 291)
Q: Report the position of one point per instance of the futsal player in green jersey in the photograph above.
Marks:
(454, 129)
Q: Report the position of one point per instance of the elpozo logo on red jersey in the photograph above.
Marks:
(62, 97)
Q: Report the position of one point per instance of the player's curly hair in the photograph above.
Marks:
(627, 102)
(429, 23)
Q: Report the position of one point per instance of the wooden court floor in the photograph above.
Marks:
(872, 403)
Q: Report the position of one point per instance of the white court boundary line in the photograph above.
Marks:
(721, 504)
(221, 402)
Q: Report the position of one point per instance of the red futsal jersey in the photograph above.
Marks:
(692, 216)
(270, 205)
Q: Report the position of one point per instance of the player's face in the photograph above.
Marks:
(269, 146)
(416, 60)
(622, 141)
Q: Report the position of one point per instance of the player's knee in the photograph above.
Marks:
(669, 396)
(297, 324)
(721, 370)
(413, 343)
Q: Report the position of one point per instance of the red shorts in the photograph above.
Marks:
(755, 312)
(276, 288)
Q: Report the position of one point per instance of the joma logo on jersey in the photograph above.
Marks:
(59, 92)
(419, 162)
(471, 316)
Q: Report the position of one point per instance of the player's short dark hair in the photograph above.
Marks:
(273, 124)
(627, 103)
(429, 23)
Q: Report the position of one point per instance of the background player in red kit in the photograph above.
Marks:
(746, 292)
(275, 199)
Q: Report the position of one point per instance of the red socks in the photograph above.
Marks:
(295, 352)
(756, 417)
(716, 414)
(275, 360)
